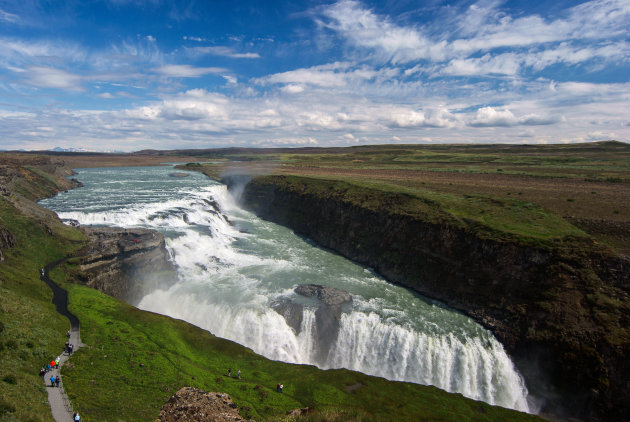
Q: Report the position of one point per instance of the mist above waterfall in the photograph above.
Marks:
(234, 268)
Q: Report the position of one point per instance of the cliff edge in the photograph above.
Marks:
(125, 263)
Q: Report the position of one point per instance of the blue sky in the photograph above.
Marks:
(129, 75)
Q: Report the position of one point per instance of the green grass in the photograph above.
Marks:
(501, 219)
(33, 332)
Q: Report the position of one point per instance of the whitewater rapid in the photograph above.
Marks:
(232, 266)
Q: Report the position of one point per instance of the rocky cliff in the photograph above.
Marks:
(126, 263)
(560, 310)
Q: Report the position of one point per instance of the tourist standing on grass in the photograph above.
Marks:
(239, 374)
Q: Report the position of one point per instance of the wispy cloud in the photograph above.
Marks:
(485, 28)
(49, 77)
(8, 17)
(223, 51)
(186, 71)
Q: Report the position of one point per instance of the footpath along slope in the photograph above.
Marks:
(59, 403)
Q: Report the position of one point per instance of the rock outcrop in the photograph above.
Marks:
(7, 241)
(558, 310)
(126, 263)
(193, 405)
(330, 301)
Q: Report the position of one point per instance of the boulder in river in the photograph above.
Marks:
(327, 316)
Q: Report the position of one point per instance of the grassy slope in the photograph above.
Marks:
(33, 331)
(508, 219)
(135, 360)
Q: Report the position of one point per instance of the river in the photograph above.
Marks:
(232, 267)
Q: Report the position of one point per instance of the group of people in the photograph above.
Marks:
(229, 374)
(55, 381)
(53, 364)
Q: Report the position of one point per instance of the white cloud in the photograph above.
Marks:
(535, 42)
(223, 51)
(8, 17)
(406, 118)
(491, 117)
(503, 64)
(292, 89)
(186, 71)
(363, 28)
(49, 77)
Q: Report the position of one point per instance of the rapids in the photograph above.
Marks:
(232, 267)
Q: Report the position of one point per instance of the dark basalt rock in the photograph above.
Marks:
(327, 316)
(328, 295)
(126, 263)
(291, 311)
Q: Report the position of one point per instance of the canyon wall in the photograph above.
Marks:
(125, 263)
(560, 311)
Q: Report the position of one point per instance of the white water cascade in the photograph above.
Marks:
(232, 267)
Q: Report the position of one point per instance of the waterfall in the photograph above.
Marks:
(232, 267)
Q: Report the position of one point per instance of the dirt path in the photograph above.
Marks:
(59, 403)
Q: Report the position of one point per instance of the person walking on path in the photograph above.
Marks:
(52, 381)
(57, 398)
(57, 380)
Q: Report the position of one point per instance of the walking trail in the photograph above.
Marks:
(59, 403)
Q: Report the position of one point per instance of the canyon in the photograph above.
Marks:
(554, 307)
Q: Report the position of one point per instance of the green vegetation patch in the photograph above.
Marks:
(503, 219)
(32, 331)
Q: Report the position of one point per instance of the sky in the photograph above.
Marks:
(126, 75)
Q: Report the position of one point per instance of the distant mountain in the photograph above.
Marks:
(59, 149)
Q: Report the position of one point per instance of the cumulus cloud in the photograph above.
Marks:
(491, 117)
(406, 118)
(293, 89)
